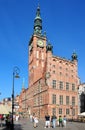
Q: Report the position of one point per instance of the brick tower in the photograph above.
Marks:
(37, 51)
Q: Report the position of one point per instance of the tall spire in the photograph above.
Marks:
(38, 22)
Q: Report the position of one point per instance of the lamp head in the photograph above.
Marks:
(17, 76)
(16, 72)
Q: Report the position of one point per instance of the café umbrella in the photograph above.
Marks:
(3, 109)
(81, 114)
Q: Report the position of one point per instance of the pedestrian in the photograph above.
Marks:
(8, 121)
(57, 122)
(54, 120)
(17, 117)
(64, 121)
(47, 121)
(60, 121)
(35, 121)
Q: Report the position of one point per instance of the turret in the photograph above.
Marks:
(38, 22)
(49, 48)
(74, 56)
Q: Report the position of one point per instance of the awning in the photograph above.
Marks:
(3, 110)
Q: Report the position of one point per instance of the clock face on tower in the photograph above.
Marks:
(40, 43)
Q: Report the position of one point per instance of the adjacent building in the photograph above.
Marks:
(81, 98)
(7, 102)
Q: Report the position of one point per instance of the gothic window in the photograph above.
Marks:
(67, 111)
(61, 99)
(36, 101)
(40, 100)
(73, 101)
(60, 110)
(73, 87)
(54, 111)
(54, 84)
(61, 85)
(53, 99)
(67, 100)
(67, 86)
(39, 88)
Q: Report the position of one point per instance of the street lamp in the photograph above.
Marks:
(16, 72)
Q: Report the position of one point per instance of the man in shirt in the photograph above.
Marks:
(47, 121)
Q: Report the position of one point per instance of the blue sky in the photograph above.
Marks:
(64, 23)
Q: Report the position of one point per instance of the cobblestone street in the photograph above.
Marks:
(25, 124)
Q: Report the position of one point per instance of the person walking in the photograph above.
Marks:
(64, 121)
(47, 121)
(60, 121)
(54, 120)
(17, 117)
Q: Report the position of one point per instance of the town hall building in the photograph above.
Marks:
(53, 80)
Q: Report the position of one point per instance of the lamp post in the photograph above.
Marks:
(16, 72)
